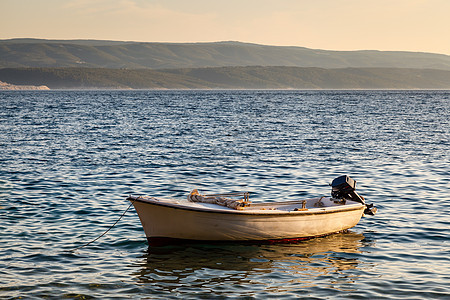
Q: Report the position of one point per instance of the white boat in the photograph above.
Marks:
(213, 218)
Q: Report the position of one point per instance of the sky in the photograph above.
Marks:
(406, 25)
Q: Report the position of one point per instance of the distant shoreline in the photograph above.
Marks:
(96, 64)
(218, 78)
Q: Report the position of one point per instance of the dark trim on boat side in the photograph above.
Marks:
(166, 241)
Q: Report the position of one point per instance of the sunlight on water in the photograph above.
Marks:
(70, 158)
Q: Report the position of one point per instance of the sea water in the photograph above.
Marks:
(68, 159)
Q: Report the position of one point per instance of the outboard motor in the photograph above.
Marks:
(343, 187)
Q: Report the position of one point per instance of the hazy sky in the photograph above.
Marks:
(411, 25)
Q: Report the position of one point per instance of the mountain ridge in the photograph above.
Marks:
(17, 53)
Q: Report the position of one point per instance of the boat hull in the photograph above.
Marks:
(170, 222)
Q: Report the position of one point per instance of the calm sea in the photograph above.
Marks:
(68, 158)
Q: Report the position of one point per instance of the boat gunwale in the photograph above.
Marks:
(265, 213)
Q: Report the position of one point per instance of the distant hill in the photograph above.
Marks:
(133, 55)
(229, 78)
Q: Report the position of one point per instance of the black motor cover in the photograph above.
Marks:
(342, 186)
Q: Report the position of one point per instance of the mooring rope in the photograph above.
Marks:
(82, 246)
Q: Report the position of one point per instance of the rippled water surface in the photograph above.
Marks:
(68, 158)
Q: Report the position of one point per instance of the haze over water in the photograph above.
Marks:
(68, 158)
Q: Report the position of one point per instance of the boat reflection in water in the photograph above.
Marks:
(218, 270)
